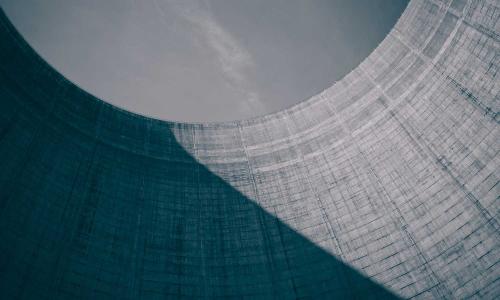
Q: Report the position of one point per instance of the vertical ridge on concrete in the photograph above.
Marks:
(384, 185)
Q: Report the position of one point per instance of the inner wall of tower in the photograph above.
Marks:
(384, 185)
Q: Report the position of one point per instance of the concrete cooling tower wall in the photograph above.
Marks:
(385, 185)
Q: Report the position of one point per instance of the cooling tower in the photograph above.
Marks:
(385, 185)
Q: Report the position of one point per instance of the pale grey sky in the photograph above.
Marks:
(204, 60)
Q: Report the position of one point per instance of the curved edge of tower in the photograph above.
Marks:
(385, 183)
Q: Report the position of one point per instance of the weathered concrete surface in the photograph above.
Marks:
(391, 174)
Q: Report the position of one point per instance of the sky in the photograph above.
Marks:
(204, 60)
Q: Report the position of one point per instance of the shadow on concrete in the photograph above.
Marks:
(132, 226)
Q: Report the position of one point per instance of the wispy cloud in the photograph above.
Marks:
(233, 59)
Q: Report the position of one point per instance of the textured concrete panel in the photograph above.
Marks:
(384, 185)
